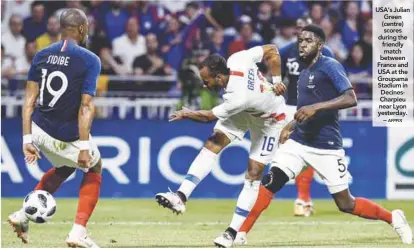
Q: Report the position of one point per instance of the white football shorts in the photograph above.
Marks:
(264, 134)
(61, 153)
(292, 157)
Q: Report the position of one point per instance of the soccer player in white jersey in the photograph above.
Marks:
(314, 139)
(250, 104)
(63, 78)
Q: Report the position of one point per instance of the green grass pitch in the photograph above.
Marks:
(142, 223)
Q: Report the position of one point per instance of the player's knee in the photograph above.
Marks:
(255, 170)
(217, 142)
(275, 179)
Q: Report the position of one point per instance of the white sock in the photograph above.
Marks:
(245, 203)
(78, 230)
(199, 169)
(21, 215)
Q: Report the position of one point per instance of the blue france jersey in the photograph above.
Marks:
(64, 71)
(292, 66)
(323, 81)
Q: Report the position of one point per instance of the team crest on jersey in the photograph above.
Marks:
(310, 83)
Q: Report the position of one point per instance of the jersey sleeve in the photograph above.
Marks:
(337, 74)
(92, 73)
(233, 103)
(327, 52)
(255, 54)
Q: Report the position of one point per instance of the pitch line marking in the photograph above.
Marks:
(274, 223)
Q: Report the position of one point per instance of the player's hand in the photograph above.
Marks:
(31, 154)
(305, 112)
(84, 159)
(284, 134)
(279, 89)
(180, 114)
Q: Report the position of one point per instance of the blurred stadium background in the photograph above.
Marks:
(149, 52)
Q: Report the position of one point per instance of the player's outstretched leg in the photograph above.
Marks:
(370, 210)
(199, 169)
(50, 182)
(88, 197)
(303, 204)
(245, 203)
(271, 183)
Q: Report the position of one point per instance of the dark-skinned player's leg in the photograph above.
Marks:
(199, 169)
(88, 198)
(367, 209)
(53, 178)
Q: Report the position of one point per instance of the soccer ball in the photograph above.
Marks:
(39, 206)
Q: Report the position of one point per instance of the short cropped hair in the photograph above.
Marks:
(318, 31)
(216, 64)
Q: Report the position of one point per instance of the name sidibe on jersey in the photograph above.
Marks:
(58, 60)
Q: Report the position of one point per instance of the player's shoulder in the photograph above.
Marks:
(87, 55)
(329, 60)
(52, 48)
(327, 51)
(330, 64)
(236, 59)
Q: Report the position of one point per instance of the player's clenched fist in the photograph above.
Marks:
(305, 112)
(279, 89)
(31, 154)
(84, 159)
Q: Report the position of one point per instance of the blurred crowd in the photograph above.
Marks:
(172, 37)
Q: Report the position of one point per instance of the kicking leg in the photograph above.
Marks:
(50, 182)
(286, 165)
(271, 183)
(88, 198)
(246, 200)
(367, 209)
(199, 169)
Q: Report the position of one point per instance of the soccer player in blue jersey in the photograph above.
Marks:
(63, 79)
(313, 138)
(291, 68)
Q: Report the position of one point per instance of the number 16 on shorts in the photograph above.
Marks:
(268, 144)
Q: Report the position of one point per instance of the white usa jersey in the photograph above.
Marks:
(246, 89)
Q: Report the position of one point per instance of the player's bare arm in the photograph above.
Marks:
(204, 116)
(286, 131)
(272, 58)
(85, 118)
(345, 100)
(32, 92)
